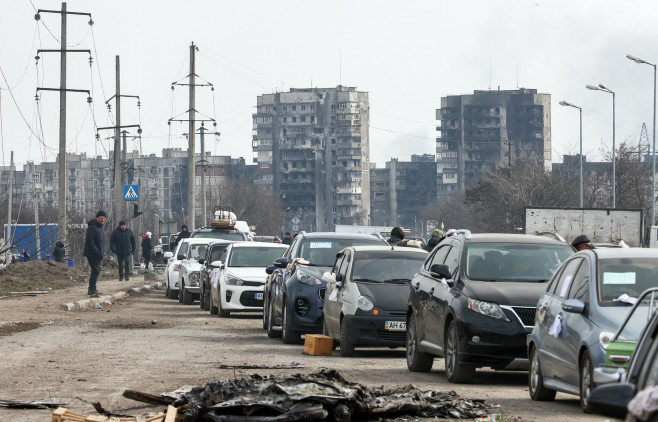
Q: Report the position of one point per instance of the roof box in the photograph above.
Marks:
(223, 218)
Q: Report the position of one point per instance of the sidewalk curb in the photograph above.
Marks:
(91, 302)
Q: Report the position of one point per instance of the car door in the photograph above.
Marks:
(422, 289)
(577, 327)
(279, 280)
(442, 295)
(332, 304)
(551, 349)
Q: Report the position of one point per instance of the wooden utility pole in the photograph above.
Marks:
(191, 209)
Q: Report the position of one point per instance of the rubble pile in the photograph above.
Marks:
(320, 395)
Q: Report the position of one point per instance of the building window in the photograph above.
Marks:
(302, 119)
(294, 119)
(294, 108)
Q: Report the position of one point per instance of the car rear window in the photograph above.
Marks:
(322, 252)
(389, 268)
(220, 234)
(254, 257)
(625, 276)
(514, 261)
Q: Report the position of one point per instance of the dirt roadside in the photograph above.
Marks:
(152, 344)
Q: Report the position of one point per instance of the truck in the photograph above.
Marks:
(601, 225)
(22, 239)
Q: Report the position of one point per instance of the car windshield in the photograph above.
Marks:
(622, 278)
(254, 257)
(197, 251)
(322, 252)
(220, 234)
(394, 268)
(639, 317)
(514, 261)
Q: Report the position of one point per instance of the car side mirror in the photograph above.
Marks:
(201, 261)
(440, 271)
(270, 269)
(168, 255)
(180, 257)
(612, 399)
(216, 264)
(574, 306)
(281, 262)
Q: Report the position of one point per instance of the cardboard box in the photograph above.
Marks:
(318, 345)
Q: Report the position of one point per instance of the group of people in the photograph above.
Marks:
(122, 243)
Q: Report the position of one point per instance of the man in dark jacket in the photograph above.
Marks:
(122, 243)
(397, 237)
(437, 236)
(59, 252)
(184, 233)
(147, 249)
(287, 239)
(94, 248)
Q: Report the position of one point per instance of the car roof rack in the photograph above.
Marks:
(464, 232)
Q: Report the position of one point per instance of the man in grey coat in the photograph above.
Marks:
(122, 243)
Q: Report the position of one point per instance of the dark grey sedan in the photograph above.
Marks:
(578, 313)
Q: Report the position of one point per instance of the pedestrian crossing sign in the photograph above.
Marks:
(131, 192)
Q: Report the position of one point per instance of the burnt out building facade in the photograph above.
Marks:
(312, 149)
(489, 129)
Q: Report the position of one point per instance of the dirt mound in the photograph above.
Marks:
(30, 275)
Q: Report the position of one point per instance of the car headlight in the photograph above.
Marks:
(365, 303)
(194, 277)
(605, 338)
(487, 308)
(233, 281)
(307, 279)
(176, 267)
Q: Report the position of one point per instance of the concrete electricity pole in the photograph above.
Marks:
(191, 206)
(36, 210)
(8, 239)
(61, 199)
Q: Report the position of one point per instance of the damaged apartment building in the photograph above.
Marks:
(312, 149)
(486, 130)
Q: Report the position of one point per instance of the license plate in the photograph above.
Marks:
(395, 325)
(258, 296)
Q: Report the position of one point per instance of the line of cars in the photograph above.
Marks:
(508, 302)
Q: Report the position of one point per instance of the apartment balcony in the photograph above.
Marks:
(348, 202)
(348, 190)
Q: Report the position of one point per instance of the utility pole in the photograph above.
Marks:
(204, 220)
(36, 211)
(61, 199)
(191, 208)
(191, 148)
(8, 239)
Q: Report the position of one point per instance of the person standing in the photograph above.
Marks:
(287, 239)
(59, 253)
(184, 233)
(94, 248)
(581, 242)
(437, 236)
(122, 243)
(147, 249)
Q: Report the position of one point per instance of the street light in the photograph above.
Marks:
(603, 88)
(580, 110)
(653, 154)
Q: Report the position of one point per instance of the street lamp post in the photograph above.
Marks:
(603, 88)
(580, 110)
(653, 153)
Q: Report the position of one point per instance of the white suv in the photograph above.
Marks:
(189, 253)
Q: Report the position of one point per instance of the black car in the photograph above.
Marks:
(616, 400)
(294, 294)
(474, 301)
(213, 253)
(220, 233)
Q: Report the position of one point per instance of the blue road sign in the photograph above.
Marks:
(131, 192)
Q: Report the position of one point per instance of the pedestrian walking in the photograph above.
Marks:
(94, 248)
(147, 249)
(122, 243)
(59, 253)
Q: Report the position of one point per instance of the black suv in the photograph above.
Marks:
(294, 293)
(220, 233)
(474, 301)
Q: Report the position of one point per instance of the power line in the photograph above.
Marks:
(401, 133)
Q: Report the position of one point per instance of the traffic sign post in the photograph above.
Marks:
(131, 192)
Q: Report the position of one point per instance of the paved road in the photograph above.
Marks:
(152, 344)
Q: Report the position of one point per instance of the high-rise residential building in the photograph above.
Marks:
(489, 129)
(313, 151)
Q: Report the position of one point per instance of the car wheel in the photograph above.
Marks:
(221, 312)
(167, 291)
(417, 361)
(325, 331)
(271, 332)
(536, 380)
(188, 298)
(289, 336)
(456, 372)
(586, 382)
(206, 300)
(264, 313)
(181, 287)
(346, 348)
(213, 309)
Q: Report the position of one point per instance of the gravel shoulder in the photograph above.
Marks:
(152, 344)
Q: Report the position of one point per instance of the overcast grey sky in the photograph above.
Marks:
(406, 54)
